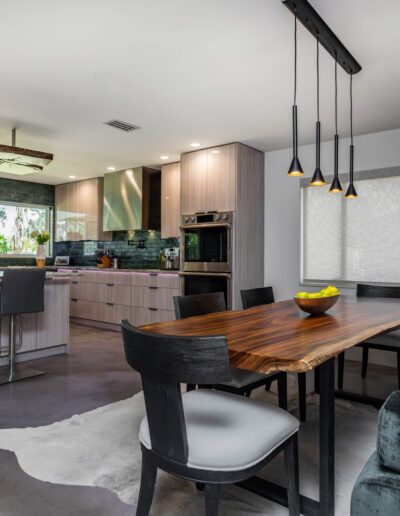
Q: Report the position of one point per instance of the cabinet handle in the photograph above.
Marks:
(110, 284)
(74, 282)
(74, 299)
(153, 309)
(110, 304)
(153, 288)
(153, 273)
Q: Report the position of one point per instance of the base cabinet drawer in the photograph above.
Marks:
(153, 315)
(154, 297)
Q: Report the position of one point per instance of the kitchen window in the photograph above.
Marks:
(353, 240)
(17, 221)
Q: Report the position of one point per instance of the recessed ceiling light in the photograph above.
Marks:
(195, 144)
(164, 157)
(111, 169)
(71, 177)
(215, 151)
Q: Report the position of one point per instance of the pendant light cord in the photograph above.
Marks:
(317, 79)
(336, 124)
(295, 58)
(351, 108)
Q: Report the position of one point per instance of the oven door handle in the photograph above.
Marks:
(206, 226)
(219, 274)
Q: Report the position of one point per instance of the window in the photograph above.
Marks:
(353, 240)
(17, 221)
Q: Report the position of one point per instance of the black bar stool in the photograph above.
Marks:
(22, 292)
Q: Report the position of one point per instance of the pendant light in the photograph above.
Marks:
(351, 191)
(318, 178)
(336, 187)
(295, 168)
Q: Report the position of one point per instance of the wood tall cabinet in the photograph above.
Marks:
(170, 199)
(230, 178)
(79, 211)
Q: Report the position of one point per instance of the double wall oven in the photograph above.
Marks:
(206, 253)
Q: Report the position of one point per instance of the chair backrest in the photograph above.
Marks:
(165, 361)
(257, 296)
(377, 291)
(199, 304)
(22, 291)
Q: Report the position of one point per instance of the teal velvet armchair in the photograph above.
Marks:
(377, 489)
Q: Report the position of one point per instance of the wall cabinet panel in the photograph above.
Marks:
(170, 200)
(194, 181)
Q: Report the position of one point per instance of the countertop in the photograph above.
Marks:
(111, 269)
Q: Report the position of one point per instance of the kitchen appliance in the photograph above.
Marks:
(206, 242)
(204, 283)
(171, 255)
(132, 199)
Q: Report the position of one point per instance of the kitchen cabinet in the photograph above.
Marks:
(108, 297)
(170, 200)
(79, 211)
(208, 179)
(194, 181)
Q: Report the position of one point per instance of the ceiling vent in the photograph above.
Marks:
(123, 126)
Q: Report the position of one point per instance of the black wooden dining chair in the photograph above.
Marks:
(242, 381)
(265, 296)
(206, 436)
(386, 342)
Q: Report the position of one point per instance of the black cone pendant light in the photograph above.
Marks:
(295, 168)
(318, 178)
(351, 191)
(336, 187)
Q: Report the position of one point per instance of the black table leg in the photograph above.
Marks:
(327, 438)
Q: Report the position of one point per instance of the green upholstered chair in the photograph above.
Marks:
(377, 489)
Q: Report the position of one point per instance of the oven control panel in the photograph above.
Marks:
(207, 218)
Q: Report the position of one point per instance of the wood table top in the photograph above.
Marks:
(279, 337)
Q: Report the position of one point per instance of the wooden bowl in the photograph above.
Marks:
(316, 306)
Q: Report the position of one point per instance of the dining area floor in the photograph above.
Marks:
(95, 376)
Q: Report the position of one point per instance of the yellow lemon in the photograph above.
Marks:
(302, 295)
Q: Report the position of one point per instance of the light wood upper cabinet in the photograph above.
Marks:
(79, 211)
(170, 199)
(221, 178)
(208, 179)
(194, 181)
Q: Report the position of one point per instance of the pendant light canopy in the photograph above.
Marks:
(351, 191)
(318, 178)
(336, 187)
(295, 168)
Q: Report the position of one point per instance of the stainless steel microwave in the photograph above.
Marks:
(206, 242)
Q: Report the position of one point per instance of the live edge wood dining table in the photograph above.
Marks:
(278, 337)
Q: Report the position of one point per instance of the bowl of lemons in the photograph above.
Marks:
(317, 303)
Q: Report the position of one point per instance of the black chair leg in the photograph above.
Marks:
(364, 362)
(301, 381)
(147, 483)
(398, 368)
(292, 472)
(211, 499)
(316, 380)
(340, 371)
(268, 385)
(282, 390)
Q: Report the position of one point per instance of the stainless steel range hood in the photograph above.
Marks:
(132, 199)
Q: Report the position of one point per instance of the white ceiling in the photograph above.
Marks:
(212, 71)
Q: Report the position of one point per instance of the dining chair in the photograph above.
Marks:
(264, 296)
(242, 381)
(206, 436)
(386, 342)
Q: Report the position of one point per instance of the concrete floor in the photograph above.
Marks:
(93, 374)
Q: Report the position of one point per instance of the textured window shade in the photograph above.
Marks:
(353, 239)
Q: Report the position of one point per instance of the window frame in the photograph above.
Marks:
(364, 175)
(49, 228)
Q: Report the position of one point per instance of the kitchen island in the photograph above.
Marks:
(45, 333)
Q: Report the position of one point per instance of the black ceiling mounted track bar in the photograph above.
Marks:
(320, 30)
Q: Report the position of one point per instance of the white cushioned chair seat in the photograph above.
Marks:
(227, 432)
(388, 339)
(242, 378)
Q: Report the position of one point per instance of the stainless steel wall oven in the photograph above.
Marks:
(206, 242)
